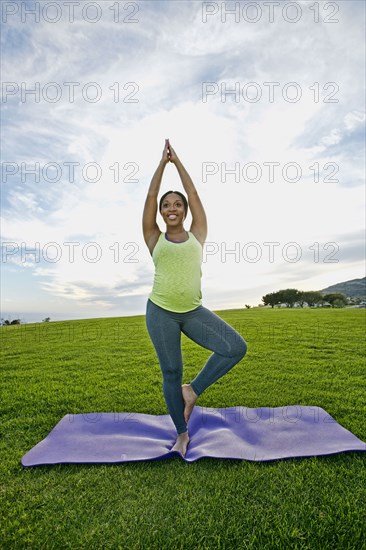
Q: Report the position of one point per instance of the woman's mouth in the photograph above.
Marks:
(172, 216)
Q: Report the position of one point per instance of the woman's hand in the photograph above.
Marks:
(172, 154)
(166, 153)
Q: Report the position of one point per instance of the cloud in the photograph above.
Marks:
(163, 61)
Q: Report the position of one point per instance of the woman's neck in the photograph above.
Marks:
(175, 231)
(177, 237)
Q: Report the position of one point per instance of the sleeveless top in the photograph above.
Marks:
(177, 279)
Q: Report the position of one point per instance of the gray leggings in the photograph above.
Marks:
(206, 329)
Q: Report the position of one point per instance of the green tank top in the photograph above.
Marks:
(177, 280)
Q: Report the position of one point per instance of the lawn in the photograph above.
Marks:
(295, 357)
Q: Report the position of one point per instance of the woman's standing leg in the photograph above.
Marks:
(165, 333)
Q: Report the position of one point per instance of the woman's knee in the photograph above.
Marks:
(240, 348)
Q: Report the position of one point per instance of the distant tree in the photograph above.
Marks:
(335, 296)
(338, 303)
(289, 296)
(248, 306)
(312, 297)
(300, 298)
(15, 322)
(46, 320)
(271, 299)
(279, 295)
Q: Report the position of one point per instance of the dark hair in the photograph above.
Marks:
(185, 203)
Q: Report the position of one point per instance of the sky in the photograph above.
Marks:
(263, 103)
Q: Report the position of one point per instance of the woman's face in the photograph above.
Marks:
(172, 210)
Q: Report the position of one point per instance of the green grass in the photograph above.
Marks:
(295, 357)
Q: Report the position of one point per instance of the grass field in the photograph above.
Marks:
(295, 357)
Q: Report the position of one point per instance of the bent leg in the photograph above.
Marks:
(165, 334)
(211, 332)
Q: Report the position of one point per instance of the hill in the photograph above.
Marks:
(352, 288)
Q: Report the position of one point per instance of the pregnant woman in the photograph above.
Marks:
(175, 303)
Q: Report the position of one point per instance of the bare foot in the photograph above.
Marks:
(181, 443)
(189, 398)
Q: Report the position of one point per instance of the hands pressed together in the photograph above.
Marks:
(169, 155)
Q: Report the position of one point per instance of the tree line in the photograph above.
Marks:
(292, 296)
(7, 322)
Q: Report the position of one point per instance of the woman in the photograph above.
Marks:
(175, 303)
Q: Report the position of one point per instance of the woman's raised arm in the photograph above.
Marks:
(150, 228)
(199, 220)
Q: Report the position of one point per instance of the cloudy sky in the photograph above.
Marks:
(263, 105)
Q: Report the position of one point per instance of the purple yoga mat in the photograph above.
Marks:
(260, 434)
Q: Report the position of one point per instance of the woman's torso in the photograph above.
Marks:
(177, 279)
